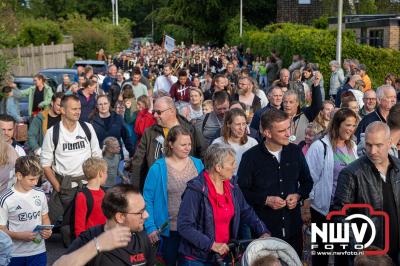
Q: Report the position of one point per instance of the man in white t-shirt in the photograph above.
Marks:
(22, 208)
(7, 125)
(164, 83)
(65, 147)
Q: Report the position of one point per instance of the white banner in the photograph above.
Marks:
(169, 43)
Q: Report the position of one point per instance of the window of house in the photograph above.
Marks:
(364, 36)
(376, 38)
(304, 2)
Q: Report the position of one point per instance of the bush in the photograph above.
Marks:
(320, 23)
(4, 67)
(319, 46)
(39, 31)
(89, 36)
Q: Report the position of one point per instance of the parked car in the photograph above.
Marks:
(99, 67)
(25, 82)
(57, 74)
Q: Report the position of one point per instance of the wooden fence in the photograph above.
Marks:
(27, 61)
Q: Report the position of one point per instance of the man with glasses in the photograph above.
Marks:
(386, 98)
(124, 207)
(369, 100)
(151, 144)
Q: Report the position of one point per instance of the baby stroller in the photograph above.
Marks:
(271, 246)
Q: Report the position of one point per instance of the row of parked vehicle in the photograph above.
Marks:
(54, 77)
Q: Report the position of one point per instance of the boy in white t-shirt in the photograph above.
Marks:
(22, 208)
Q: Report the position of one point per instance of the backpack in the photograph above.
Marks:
(69, 213)
(325, 146)
(56, 135)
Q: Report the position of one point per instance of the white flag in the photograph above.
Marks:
(169, 43)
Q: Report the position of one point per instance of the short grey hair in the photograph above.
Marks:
(291, 92)
(216, 154)
(380, 91)
(334, 63)
(377, 126)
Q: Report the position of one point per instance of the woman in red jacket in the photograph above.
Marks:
(144, 118)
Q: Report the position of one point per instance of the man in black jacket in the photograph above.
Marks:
(150, 146)
(123, 206)
(275, 178)
(374, 179)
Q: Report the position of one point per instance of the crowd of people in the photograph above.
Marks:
(175, 154)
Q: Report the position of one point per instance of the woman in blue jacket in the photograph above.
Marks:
(211, 210)
(163, 188)
(110, 124)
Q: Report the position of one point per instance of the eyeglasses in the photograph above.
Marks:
(159, 112)
(370, 99)
(137, 213)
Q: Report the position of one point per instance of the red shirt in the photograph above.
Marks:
(223, 209)
(96, 217)
(144, 120)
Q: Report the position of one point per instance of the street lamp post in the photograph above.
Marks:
(339, 32)
(116, 12)
(241, 18)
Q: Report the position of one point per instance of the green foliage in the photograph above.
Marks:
(367, 7)
(39, 31)
(179, 33)
(319, 46)
(5, 64)
(91, 35)
(232, 33)
(9, 26)
(320, 23)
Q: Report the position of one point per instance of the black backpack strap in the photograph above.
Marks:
(325, 147)
(56, 135)
(89, 201)
(205, 121)
(86, 129)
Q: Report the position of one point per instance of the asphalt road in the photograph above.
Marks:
(55, 248)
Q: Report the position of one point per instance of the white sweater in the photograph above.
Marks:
(72, 150)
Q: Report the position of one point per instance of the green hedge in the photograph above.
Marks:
(319, 46)
(91, 35)
(39, 31)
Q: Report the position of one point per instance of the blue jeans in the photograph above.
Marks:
(169, 248)
(35, 260)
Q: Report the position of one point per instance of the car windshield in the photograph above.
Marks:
(58, 77)
(23, 86)
(97, 69)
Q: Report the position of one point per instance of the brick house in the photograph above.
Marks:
(381, 30)
(299, 11)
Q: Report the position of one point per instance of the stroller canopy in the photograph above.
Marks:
(271, 246)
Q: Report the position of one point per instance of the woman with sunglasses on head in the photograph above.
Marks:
(163, 188)
(107, 123)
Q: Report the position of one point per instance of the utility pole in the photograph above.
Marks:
(241, 18)
(113, 11)
(339, 32)
(116, 12)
